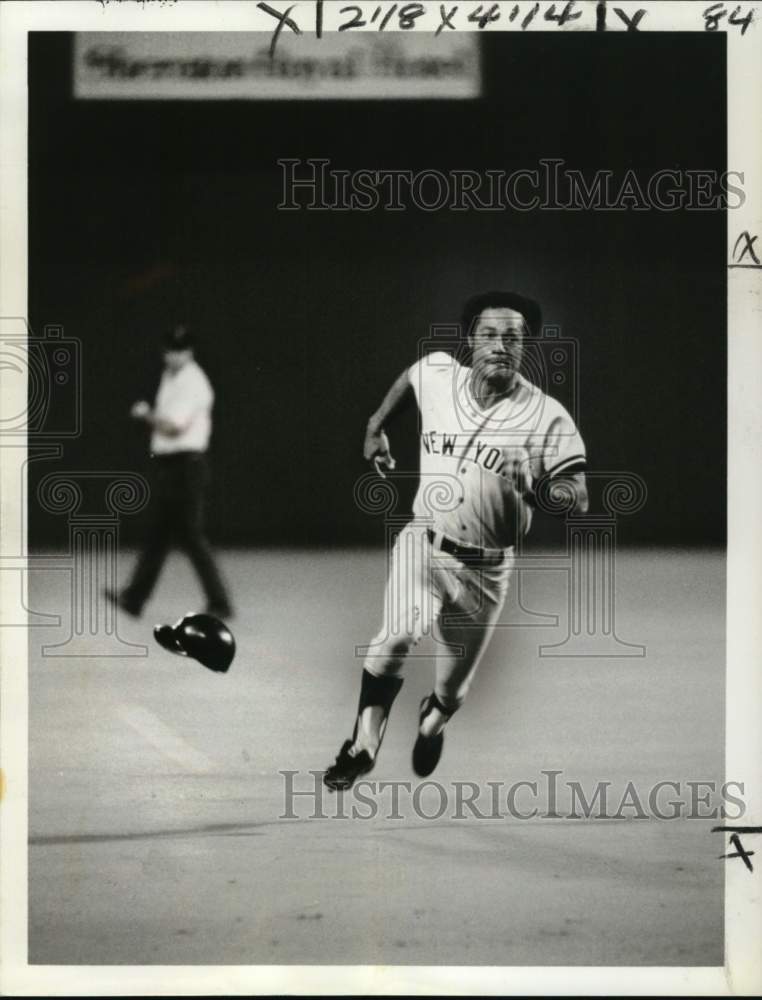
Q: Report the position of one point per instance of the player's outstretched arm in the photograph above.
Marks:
(376, 445)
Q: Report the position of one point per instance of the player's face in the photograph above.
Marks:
(497, 343)
(174, 360)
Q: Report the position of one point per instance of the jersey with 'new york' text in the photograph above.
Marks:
(477, 464)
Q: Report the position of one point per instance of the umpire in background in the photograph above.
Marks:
(181, 425)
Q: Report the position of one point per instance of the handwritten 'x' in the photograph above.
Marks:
(735, 840)
(283, 19)
(747, 249)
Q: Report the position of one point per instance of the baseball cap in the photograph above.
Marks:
(179, 338)
(528, 308)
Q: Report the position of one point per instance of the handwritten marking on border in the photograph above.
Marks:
(735, 841)
(739, 258)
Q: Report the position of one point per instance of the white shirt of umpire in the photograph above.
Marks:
(477, 455)
(185, 398)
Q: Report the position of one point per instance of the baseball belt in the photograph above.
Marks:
(468, 554)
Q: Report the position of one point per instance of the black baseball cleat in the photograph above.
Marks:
(427, 749)
(347, 769)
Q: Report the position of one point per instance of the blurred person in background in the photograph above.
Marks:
(181, 425)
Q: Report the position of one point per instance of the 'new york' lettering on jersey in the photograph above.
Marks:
(477, 464)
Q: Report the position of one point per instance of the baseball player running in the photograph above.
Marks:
(490, 442)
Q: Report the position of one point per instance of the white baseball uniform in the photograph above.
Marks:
(452, 563)
(184, 397)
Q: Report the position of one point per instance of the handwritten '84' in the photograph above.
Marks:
(714, 14)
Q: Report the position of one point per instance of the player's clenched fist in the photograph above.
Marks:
(376, 447)
(376, 450)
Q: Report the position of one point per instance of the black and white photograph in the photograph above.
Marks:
(380, 498)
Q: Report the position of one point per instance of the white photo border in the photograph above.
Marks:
(742, 973)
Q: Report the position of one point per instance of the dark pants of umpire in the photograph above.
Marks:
(179, 498)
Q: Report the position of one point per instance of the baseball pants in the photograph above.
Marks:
(431, 593)
(180, 486)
